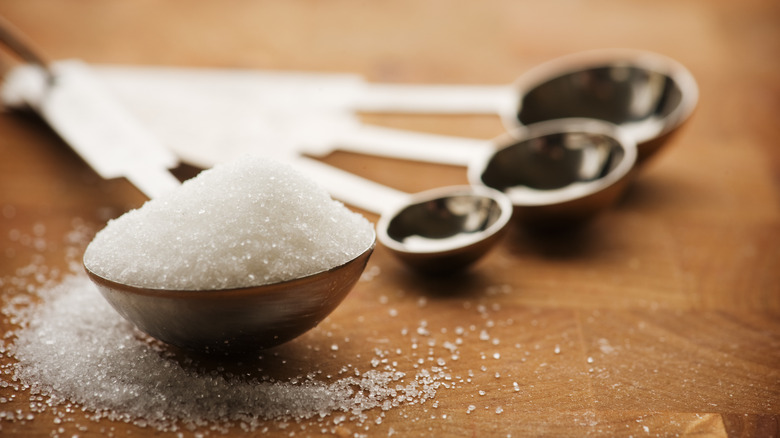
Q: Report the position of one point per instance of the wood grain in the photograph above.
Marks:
(660, 318)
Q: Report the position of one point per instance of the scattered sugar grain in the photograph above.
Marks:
(245, 223)
(605, 346)
(73, 349)
(381, 387)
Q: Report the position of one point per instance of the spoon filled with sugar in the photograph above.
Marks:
(244, 256)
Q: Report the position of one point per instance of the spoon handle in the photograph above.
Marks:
(325, 91)
(97, 127)
(18, 43)
(349, 188)
(435, 99)
(396, 143)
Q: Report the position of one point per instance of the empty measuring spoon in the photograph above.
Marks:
(647, 94)
(439, 230)
(555, 172)
(559, 172)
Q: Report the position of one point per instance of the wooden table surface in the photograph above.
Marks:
(661, 318)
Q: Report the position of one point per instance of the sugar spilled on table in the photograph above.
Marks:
(72, 359)
(248, 223)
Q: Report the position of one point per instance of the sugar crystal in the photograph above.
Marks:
(74, 356)
(74, 348)
(244, 223)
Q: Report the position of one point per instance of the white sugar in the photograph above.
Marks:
(72, 357)
(74, 348)
(75, 359)
(246, 223)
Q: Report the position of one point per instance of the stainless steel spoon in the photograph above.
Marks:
(439, 230)
(559, 172)
(646, 94)
(240, 320)
(229, 320)
(234, 320)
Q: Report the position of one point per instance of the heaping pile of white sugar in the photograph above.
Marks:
(246, 223)
(69, 357)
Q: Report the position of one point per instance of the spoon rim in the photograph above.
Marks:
(501, 199)
(531, 197)
(599, 58)
(227, 292)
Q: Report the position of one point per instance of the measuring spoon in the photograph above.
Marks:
(557, 172)
(199, 116)
(440, 230)
(234, 320)
(281, 90)
(647, 94)
(560, 172)
(228, 320)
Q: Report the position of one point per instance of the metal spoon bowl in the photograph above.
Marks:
(439, 230)
(445, 229)
(646, 94)
(559, 172)
(241, 320)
